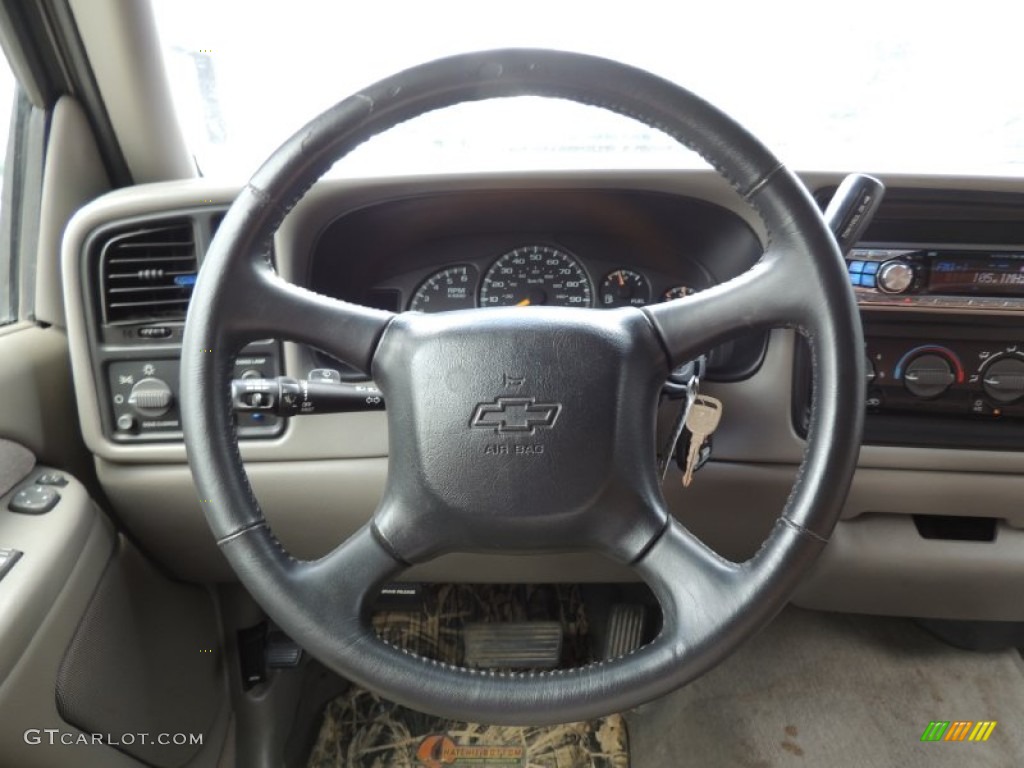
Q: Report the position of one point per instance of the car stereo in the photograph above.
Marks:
(938, 277)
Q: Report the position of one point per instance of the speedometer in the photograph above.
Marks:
(536, 275)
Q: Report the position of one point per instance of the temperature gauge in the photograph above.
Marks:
(624, 288)
(676, 292)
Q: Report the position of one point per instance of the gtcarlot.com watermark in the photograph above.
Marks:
(53, 736)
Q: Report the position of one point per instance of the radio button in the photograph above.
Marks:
(895, 277)
(1004, 380)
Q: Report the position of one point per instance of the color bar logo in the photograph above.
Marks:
(958, 730)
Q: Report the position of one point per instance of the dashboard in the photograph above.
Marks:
(935, 500)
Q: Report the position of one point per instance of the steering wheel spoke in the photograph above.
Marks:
(337, 591)
(762, 297)
(708, 602)
(269, 306)
(695, 586)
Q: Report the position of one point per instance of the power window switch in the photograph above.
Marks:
(34, 500)
(52, 478)
(8, 557)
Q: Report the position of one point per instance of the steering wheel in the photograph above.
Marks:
(523, 430)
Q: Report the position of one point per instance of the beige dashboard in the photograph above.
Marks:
(321, 477)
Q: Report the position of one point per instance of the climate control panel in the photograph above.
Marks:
(953, 384)
(968, 377)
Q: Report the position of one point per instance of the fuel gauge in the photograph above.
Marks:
(624, 288)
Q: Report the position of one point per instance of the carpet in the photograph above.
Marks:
(837, 690)
(362, 730)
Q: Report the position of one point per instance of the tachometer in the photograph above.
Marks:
(536, 275)
(448, 289)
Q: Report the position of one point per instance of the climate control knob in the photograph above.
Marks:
(151, 397)
(895, 277)
(1004, 379)
(928, 376)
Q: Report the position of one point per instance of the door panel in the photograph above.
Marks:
(42, 598)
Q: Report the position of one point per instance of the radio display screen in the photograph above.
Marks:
(984, 275)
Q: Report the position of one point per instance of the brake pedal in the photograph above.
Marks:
(514, 644)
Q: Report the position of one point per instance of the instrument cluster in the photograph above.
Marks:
(534, 274)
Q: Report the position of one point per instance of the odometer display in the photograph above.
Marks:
(536, 275)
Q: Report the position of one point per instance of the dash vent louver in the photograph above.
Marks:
(147, 274)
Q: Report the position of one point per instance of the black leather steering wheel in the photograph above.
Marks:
(573, 466)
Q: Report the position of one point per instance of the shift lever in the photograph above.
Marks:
(852, 208)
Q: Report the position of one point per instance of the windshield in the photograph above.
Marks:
(876, 86)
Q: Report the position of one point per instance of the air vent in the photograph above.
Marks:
(147, 274)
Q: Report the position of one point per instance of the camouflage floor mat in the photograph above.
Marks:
(361, 730)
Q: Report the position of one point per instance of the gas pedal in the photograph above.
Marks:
(625, 629)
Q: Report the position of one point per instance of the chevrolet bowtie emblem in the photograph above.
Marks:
(515, 414)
